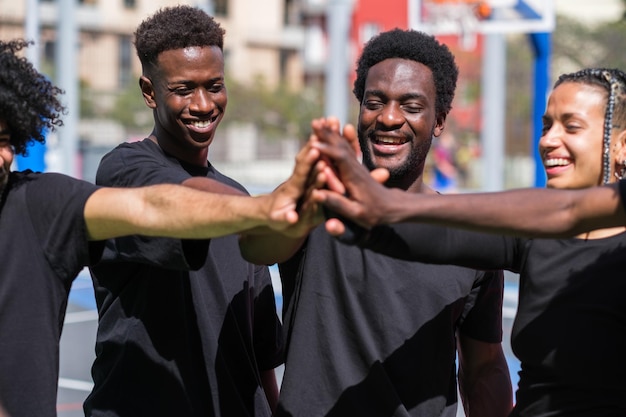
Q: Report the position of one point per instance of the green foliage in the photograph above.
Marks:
(131, 111)
(277, 112)
(577, 46)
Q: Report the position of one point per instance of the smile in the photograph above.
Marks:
(389, 140)
(554, 162)
(200, 124)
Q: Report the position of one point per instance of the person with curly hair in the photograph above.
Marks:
(369, 335)
(569, 331)
(185, 328)
(52, 226)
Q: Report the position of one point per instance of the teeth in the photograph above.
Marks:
(389, 141)
(201, 124)
(556, 162)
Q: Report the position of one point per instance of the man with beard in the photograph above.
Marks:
(369, 335)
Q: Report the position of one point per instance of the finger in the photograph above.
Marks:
(350, 134)
(380, 175)
(305, 161)
(335, 227)
(333, 124)
(333, 182)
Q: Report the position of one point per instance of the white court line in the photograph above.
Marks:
(75, 384)
(81, 316)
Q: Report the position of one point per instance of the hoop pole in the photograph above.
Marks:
(542, 46)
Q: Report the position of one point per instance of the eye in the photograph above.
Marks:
(216, 88)
(572, 127)
(372, 104)
(412, 108)
(182, 91)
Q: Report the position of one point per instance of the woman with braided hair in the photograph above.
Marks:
(570, 328)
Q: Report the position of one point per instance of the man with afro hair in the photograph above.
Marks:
(186, 328)
(369, 335)
(52, 226)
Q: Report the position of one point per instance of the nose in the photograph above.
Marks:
(391, 115)
(551, 137)
(201, 102)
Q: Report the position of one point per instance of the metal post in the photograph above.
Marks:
(67, 79)
(32, 31)
(541, 43)
(493, 110)
(337, 65)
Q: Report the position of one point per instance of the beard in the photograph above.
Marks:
(406, 171)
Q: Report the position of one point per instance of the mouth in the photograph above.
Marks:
(556, 162)
(386, 143)
(202, 125)
(392, 140)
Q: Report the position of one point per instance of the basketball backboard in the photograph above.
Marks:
(463, 17)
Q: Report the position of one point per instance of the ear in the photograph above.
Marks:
(440, 124)
(619, 154)
(147, 90)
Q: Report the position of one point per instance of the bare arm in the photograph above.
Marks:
(270, 387)
(528, 212)
(182, 212)
(262, 246)
(484, 380)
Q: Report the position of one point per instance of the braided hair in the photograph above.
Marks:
(28, 100)
(613, 81)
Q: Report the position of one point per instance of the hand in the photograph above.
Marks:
(291, 210)
(364, 198)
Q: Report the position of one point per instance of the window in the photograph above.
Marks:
(125, 60)
(220, 7)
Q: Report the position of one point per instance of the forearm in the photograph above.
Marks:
(489, 395)
(263, 248)
(171, 211)
(528, 212)
(270, 387)
(484, 379)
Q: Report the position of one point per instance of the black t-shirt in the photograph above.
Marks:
(369, 335)
(43, 246)
(570, 328)
(173, 340)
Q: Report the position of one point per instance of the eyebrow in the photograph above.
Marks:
(403, 97)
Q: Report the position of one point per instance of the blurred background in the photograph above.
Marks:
(288, 61)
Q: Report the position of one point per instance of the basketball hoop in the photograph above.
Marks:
(461, 17)
(466, 18)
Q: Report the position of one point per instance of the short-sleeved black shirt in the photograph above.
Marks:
(569, 332)
(43, 246)
(183, 330)
(369, 335)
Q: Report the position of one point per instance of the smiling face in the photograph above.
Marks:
(6, 154)
(571, 145)
(397, 120)
(188, 96)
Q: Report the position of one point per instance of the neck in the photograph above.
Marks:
(198, 157)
